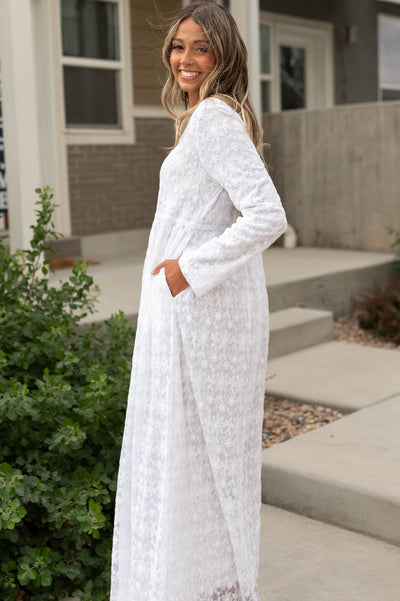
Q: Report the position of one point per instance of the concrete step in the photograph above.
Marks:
(336, 374)
(322, 278)
(316, 278)
(305, 560)
(345, 473)
(296, 328)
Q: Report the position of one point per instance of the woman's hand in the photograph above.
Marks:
(175, 278)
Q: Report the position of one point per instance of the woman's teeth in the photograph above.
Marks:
(189, 73)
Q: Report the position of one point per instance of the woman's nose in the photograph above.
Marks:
(186, 57)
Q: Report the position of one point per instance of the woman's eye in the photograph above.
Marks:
(176, 47)
(202, 49)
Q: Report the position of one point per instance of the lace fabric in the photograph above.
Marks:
(187, 519)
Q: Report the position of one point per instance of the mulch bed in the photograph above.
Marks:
(284, 419)
(67, 262)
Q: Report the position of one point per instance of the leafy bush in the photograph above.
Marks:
(63, 390)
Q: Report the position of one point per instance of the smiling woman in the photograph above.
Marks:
(187, 517)
(192, 59)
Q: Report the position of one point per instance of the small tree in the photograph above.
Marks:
(63, 391)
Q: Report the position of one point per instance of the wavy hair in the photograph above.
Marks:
(228, 79)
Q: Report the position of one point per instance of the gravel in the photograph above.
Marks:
(284, 419)
(346, 329)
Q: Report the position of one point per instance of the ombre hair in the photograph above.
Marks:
(228, 79)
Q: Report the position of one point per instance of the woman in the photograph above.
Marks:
(189, 485)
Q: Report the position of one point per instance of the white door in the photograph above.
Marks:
(300, 64)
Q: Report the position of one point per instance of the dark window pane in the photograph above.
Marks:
(265, 96)
(293, 83)
(390, 94)
(90, 97)
(265, 49)
(90, 29)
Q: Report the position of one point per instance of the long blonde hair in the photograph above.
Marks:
(228, 79)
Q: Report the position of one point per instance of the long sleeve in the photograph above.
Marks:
(229, 156)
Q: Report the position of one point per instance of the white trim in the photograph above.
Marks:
(254, 57)
(53, 150)
(247, 16)
(93, 63)
(316, 31)
(20, 109)
(101, 135)
(310, 24)
(390, 86)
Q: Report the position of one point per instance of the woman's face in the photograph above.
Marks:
(192, 58)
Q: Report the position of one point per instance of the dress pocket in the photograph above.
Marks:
(174, 298)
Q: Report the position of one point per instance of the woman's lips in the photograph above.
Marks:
(188, 75)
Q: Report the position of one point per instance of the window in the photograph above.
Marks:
(265, 62)
(389, 57)
(95, 66)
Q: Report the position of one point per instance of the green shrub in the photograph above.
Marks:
(63, 391)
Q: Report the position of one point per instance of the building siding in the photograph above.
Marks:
(148, 27)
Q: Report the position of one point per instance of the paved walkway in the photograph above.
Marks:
(286, 271)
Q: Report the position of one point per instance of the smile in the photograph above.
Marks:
(188, 74)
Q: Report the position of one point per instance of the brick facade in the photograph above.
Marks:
(114, 187)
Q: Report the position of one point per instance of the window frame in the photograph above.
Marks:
(125, 133)
(381, 85)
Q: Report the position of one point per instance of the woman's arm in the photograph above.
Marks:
(230, 157)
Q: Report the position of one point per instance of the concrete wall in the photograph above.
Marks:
(114, 187)
(338, 173)
(356, 64)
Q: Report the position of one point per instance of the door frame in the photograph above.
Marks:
(317, 38)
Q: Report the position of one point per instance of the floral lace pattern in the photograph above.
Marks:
(187, 518)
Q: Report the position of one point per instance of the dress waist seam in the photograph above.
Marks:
(193, 225)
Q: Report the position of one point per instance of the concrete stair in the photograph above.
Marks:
(305, 560)
(330, 525)
(298, 328)
(315, 278)
(345, 473)
(345, 376)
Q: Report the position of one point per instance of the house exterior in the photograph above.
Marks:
(81, 82)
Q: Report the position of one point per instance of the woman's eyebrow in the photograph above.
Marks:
(194, 41)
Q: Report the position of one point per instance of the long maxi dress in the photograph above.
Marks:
(187, 519)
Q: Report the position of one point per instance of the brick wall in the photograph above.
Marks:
(114, 187)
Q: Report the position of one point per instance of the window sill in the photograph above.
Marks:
(99, 136)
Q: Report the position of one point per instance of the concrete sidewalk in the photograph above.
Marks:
(311, 277)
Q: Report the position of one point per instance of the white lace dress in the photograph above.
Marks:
(189, 487)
